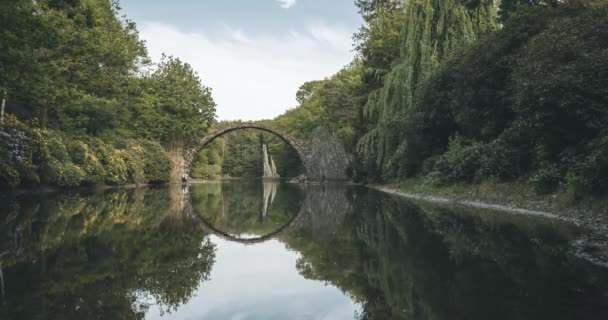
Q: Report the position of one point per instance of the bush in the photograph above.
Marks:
(546, 180)
(86, 158)
(57, 159)
(590, 174)
(134, 162)
(207, 172)
(459, 163)
(62, 174)
(9, 177)
(157, 164)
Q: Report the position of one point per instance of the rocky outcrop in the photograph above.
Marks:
(270, 170)
(328, 160)
(12, 144)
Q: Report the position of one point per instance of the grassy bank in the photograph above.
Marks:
(512, 196)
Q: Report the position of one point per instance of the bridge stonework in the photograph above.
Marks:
(323, 158)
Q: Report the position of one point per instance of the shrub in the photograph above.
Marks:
(157, 164)
(62, 174)
(459, 163)
(9, 177)
(133, 157)
(590, 174)
(546, 180)
(85, 158)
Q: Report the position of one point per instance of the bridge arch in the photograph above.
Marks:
(298, 146)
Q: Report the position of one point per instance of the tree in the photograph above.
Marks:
(176, 108)
(22, 33)
(432, 31)
(87, 66)
(378, 42)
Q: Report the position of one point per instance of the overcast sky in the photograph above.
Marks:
(253, 53)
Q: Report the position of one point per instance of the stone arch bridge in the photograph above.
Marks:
(324, 158)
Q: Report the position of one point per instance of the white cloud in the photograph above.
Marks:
(254, 76)
(286, 4)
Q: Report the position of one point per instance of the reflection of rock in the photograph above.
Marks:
(328, 160)
(270, 170)
(325, 208)
(270, 191)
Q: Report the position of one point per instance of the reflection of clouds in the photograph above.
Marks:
(261, 282)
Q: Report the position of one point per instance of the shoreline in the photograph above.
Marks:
(516, 197)
(472, 203)
(591, 246)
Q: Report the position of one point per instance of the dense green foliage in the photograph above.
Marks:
(379, 42)
(76, 77)
(528, 100)
(463, 91)
(175, 108)
(331, 103)
(55, 158)
(432, 31)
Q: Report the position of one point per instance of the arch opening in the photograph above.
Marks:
(295, 147)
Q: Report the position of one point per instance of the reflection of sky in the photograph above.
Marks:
(261, 282)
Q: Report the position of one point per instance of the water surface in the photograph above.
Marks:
(253, 250)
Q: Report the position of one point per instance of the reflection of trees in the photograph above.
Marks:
(324, 240)
(404, 261)
(246, 207)
(90, 257)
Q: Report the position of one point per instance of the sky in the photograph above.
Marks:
(254, 54)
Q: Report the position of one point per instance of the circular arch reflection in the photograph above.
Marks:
(234, 198)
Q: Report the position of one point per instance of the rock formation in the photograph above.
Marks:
(329, 160)
(270, 170)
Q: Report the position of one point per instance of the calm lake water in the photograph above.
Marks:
(250, 250)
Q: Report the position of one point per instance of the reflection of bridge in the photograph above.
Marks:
(323, 208)
(295, 221)
(269, 191)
